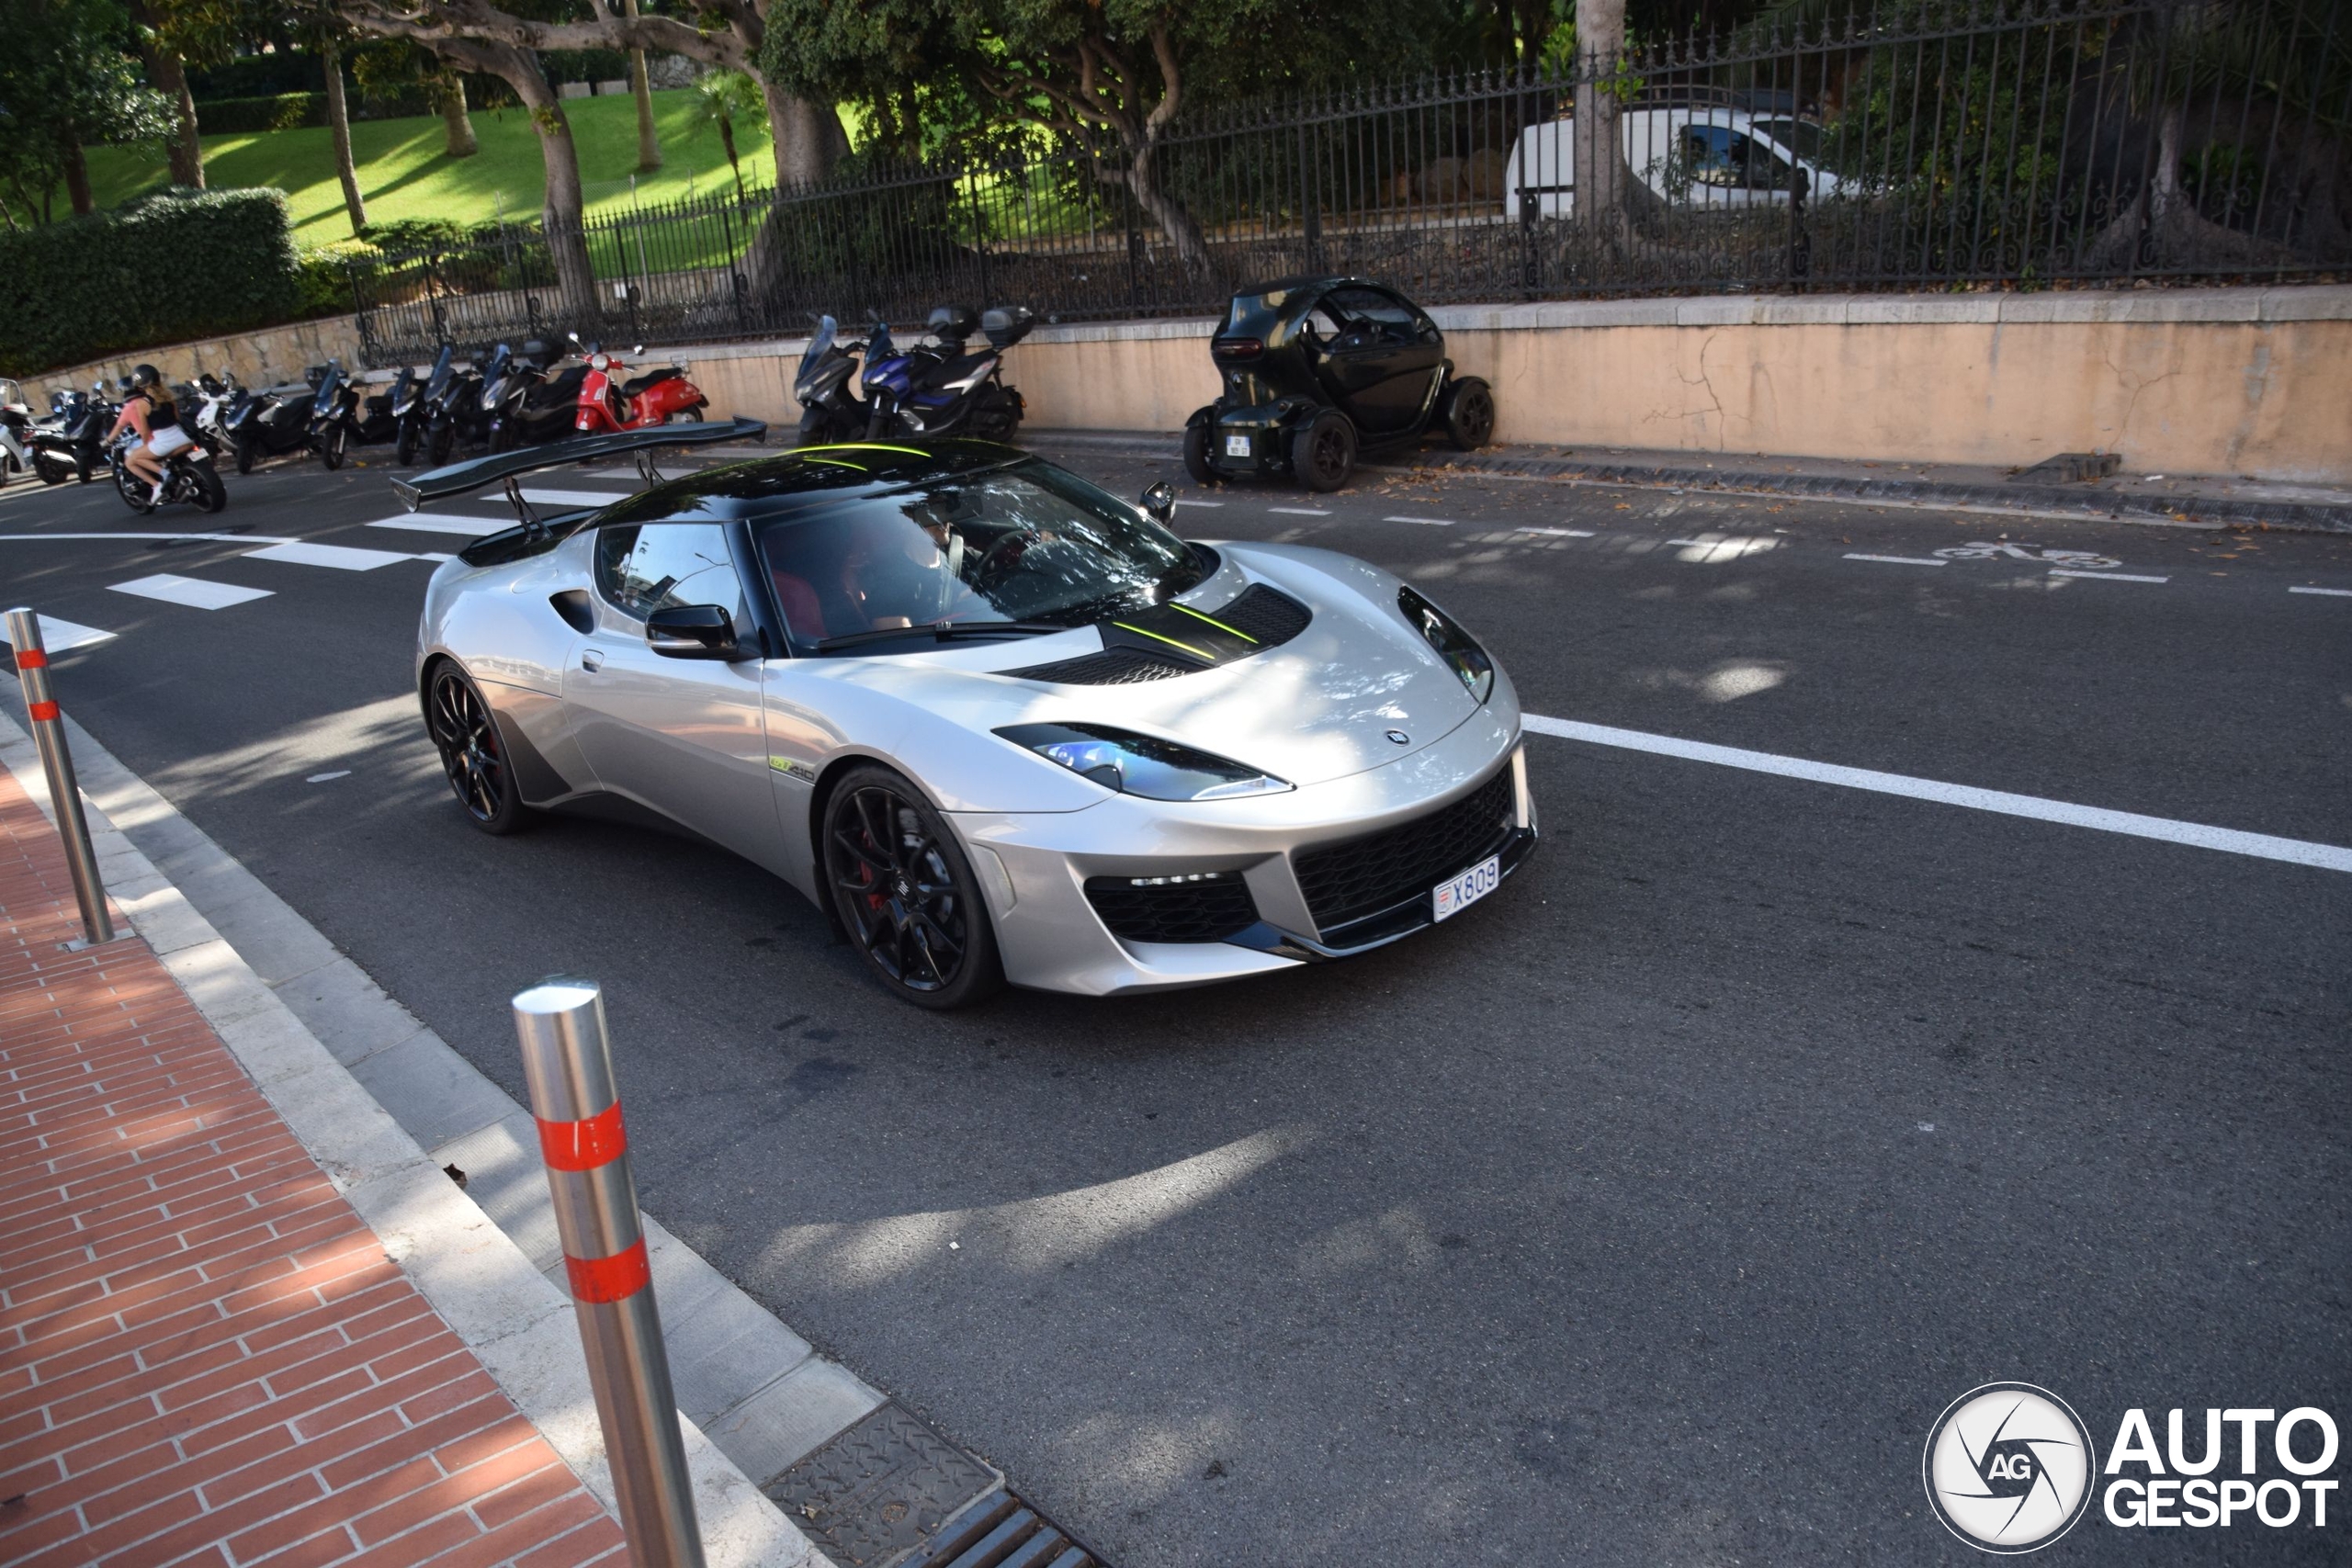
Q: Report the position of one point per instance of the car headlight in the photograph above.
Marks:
(1457, 647)
(1141, 764)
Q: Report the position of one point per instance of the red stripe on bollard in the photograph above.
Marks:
(43, 710)
(32, 659)
(584, 1145)
(599, 1280)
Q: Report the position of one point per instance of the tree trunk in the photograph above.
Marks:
(803, 151)
(648, 146)
(1599, 162)
(339, 123)
(77, 173)
(166, 71)
(566, 241)
(1175, 221)
(456, 121)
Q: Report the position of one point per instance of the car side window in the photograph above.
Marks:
(641, 567)
(1390, 319)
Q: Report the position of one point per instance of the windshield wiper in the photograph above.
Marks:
(943, 631)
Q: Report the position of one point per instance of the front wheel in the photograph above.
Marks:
(248, 448)
(1469, 413)
(816, 427)
(133, 489)
(335, 443)
(1323, 453)
(905, 893)
(441, 442)
(404, 447)
(501, 437)
(473, 757)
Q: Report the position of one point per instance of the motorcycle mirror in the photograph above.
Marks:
(1159, 500)
(638, 350)
(573, 336)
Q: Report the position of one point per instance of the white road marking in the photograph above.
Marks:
(1730, 546)
(1206, 504)
(437, 557)
(323, 778)
(421, 523)
(2230, 841)
(1558, 532)
(573, 497)
(193, 591)
(2106, 576)
(1300, 511)
(57, 636)
(207, 538)
(1430, 522)
(343, 558)
(2330, 593)
(1895, 560)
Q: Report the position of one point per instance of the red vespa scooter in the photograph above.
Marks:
(608, 403)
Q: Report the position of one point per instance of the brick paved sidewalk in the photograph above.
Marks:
(206, 1358)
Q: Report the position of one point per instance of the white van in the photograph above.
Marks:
(1704, 155)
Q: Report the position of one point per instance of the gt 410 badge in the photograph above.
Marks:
(2008, 1468)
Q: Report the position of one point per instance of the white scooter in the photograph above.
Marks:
(16, 421)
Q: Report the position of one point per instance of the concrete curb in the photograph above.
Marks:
(492, 1289)
(2030, 500)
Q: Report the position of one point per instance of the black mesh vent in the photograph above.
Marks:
(1111, 667)
(1174, 911)
(1363, 876)
(1268, 614)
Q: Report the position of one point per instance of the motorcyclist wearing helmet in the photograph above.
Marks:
(148, 410)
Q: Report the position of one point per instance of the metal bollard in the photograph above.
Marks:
(569, 1061)
(49, 733)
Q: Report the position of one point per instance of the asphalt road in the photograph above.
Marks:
(1648, 1214)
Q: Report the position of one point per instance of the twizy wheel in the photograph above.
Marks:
(1196, 455)
(472, 755)
(905, 894)
(1469, 413)
(1323, 451)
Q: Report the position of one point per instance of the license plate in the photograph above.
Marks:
(1237, 446)
(1452, 898)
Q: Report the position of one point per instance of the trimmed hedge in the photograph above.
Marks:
(159, 270)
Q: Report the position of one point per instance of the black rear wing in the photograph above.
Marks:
(458, 479)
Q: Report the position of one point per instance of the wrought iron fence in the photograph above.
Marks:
(1927, 143)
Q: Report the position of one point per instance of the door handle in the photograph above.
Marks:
(591, 659)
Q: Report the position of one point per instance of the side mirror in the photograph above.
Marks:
(1159, 500)
(573, 336)
(693, 631)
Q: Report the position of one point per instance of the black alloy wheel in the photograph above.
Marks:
(211, 490)
(1323, 453)
(473, 754)
(906, 894)
(1469, 413)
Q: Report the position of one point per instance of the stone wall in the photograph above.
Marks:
(262, 358)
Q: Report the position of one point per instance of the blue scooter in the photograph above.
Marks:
(938, 389)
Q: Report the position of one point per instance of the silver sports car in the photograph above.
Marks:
(1000, 724)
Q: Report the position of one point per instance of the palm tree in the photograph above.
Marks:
(721, 100)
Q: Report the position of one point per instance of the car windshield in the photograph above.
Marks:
(998, 553)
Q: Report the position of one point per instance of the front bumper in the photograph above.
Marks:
(1035, 867)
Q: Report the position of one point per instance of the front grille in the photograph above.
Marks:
(1152, 909)
(1363, 876)
(1111, 667)
(1267, 615)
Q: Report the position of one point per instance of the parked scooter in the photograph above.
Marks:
(69, 444)
(943, 389)
(828, 412)
(462, 412)
(188, 475)
(16, 428)
(345, 414)
(273, 421)
(608, 403)
(414, 404)
(204, 404)
(531, 402)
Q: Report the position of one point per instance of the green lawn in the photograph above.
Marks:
(403, 172)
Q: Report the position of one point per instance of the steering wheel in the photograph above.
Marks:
(1010, 548)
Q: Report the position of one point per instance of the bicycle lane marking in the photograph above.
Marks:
(2197, 835)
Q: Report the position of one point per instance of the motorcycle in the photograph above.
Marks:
(203, 404)
(413, 411)
(271, 421)
(16, 428)
(67, 445)
(606, 403)
(343, 415)
(463, 410)
(532, 404)
(188, 475)
(828, 411)
(941, 390)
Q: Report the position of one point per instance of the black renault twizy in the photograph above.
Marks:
(1319, 369)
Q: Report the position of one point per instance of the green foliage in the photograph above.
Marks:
(165, 269)
(281, 111)
(65, 79)
(322, 273)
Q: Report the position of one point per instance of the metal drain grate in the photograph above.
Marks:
(1002, 1531)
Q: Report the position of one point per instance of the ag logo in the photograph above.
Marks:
(2008, 1467)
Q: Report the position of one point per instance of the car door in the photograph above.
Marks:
(1399, 357)
(686, 737)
